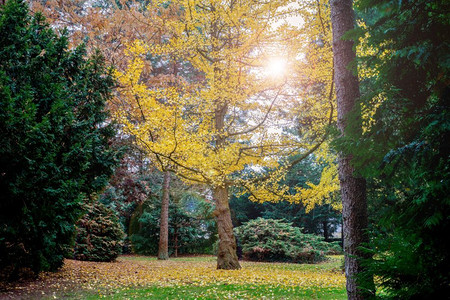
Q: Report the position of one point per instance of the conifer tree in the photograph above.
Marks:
(55, 138)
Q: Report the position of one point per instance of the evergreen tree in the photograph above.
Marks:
(99, 234)
(55, 139)
(405, 150)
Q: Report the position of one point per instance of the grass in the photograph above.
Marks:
(224, 291)
(138, 277)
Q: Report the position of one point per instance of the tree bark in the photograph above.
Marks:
(353, 189)
(325, 229)
(163, 251)
(175, 241)
(226, 257)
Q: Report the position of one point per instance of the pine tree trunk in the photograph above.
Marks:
(163, 251)
(353, 189)
(226, 257)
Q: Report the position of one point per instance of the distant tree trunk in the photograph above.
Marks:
(226, 257)
(175, 241)
(163, 251)
(325, 229)
(353, 189)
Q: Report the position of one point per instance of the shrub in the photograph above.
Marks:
(99, 234)
(277, 240)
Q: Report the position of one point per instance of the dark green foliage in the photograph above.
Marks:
(54, 140)
(406, 152)
(322, 220)
(144, 229)
(99, 234)
(409, 243)
(191, 225)
(277, 240)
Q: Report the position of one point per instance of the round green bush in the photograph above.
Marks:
(99, 234)
(277, 240)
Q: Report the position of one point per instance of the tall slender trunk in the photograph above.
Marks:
(175, 241)
(163, 251)
(325, 229)
(353, 189)
(226, 257)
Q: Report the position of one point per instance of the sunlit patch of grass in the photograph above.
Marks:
(224, 291)
(194, 278)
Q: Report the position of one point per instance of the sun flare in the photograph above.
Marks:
(276, 67)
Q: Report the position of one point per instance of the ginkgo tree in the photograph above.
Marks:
(232, 120)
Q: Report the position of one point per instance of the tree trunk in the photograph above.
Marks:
(163, 251)
(325, 229)
(226, 257)
(175, 241)
(353, 189)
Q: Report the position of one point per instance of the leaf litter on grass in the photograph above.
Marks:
(130, 273)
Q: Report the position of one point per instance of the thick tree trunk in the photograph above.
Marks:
(353, 189)
(226, 257)
(163, 251)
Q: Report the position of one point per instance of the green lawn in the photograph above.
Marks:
(225, 291)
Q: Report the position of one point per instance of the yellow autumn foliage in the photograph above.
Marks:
(234, 118)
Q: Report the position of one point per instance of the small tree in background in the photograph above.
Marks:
(99, 234)
(191, 225)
